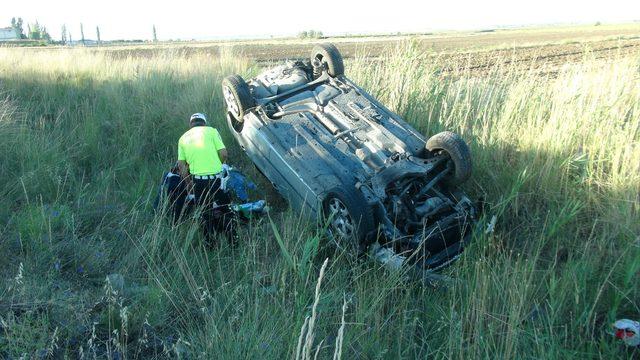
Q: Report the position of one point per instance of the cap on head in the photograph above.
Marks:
(198, 116)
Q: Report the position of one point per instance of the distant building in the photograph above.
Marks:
(87, 42)
(8, 33)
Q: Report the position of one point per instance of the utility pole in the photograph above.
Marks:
(98, 35)
(82, 34)
(155, 36)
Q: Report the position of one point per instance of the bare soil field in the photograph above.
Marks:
(544, 49)
(545, 58)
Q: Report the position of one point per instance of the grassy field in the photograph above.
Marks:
(89, 271)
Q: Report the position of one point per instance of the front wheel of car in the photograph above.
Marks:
(455, 147)
(329, 56)
(349, 218)
(237, 98)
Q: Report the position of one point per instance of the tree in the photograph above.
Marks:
(82, 34)
(16, 24)
(44, 34)
(63, 34)
(34, 31)
(38, 32)
(98, 34)
(155, 35)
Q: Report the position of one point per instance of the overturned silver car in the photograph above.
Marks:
(338, 154)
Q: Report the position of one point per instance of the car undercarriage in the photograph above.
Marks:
(342, 158)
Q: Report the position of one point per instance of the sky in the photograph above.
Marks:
(202, 20)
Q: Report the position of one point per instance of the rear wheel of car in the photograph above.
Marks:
(237, 98)
(328, 55)
(350, 218)
(454, 146)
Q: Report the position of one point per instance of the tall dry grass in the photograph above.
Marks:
(89, 270)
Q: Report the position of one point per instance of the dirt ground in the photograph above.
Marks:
(545, 58)
(546, 48)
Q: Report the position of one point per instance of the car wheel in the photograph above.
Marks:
(454, 146)
(237, 98)
(330, 57)
(350, 218)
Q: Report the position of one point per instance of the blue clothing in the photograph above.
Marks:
(240, 184)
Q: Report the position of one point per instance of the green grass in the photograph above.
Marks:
(85, 139)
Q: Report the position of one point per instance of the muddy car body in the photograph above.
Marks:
(336, 153)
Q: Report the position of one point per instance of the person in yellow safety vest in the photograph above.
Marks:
(201, 154)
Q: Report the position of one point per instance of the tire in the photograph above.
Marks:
(234, 125)
(457, 150)
(237, 98)
(329, 55)
(358, 212)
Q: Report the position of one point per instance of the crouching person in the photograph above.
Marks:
(173, 192)
(201, 154)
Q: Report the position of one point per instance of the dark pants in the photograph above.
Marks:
(176, 194)
(218, 218)
(173, 193)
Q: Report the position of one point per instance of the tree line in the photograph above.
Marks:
(310, 34)
(36, 31)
